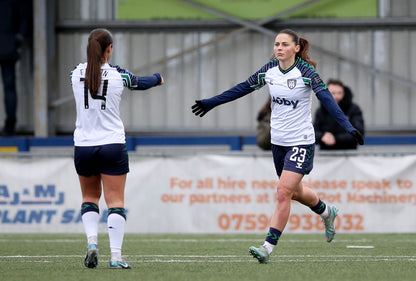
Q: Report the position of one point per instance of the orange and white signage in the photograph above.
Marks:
(213, 194)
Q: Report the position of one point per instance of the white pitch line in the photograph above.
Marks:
(189, 261)
(359, 247)
(34, 261)
(43, 240)
(279, 258)
(236, 261)
(41, 256)
(170, 240)
(250, 259)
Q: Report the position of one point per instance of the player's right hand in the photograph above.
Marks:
(162, 81)
(358, 136)
(198, 109)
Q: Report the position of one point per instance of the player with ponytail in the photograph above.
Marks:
(100, 153)
(292, 80)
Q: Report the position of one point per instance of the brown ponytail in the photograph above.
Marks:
(304, 51)
(304, 46)
(98, 41)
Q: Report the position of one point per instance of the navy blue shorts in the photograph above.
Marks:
(298, 159)
(109, 159)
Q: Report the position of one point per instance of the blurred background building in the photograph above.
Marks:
(204, 47)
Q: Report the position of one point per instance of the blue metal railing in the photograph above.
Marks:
(235, 143)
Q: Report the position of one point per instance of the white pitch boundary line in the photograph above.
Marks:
(169, 240)
(235, 261)
(42, 256)
(359, 247)
(44, 240)
(273, 261)
(227, 257)
(277, 256)
(35, 261)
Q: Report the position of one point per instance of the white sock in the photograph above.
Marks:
(115, 224)
(269, 247)
(325, 213)
(90, 221)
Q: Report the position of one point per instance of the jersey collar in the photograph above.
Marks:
(290, 68)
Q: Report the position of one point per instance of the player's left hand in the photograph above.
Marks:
(358, 136)
(198, 109)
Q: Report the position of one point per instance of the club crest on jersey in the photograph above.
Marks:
(291, 83)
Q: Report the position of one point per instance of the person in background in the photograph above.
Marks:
(328, 133)
(14, 27)
(100, 153)
(292, 80)
(263, 126)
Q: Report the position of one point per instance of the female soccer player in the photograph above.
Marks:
(100, 154)
(292, 79)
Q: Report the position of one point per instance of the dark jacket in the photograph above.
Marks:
(324, 122)
(263, 135)
(14, 24)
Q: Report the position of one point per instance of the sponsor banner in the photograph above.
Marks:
(213, 194)
(39, 195)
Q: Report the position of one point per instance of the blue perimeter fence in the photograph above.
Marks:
(236, 143)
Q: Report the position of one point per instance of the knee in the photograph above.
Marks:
(284, 194)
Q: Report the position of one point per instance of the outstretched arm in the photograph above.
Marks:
(255, 81)
(134, 82)
(146, 82)
(201, 107)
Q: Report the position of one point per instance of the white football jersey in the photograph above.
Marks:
(291, 93)
(98, 119)
(291, 119)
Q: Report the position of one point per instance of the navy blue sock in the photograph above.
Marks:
(89, 207)
(120, 211)
(319, 208)
(273, 236)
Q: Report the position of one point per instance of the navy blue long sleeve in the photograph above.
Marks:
(146, 82)
(234, 93)
(134, 82)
